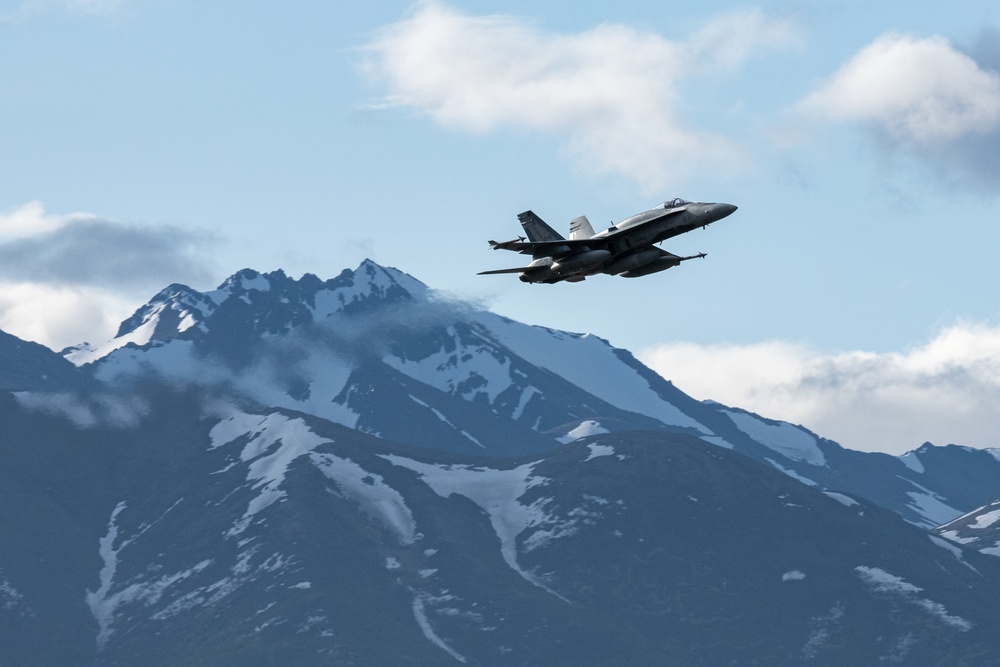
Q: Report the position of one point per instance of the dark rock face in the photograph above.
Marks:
(28, 366)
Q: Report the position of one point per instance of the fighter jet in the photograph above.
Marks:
(626, 249)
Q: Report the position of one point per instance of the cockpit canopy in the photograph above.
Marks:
(673, 203)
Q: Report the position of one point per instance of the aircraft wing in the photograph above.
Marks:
(522, 269)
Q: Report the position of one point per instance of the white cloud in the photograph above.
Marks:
(612, 91)
(31, 220)
(60, 316)
(918, 91)
(65, 279)
(947, 391)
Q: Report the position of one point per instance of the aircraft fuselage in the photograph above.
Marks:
(626, 248)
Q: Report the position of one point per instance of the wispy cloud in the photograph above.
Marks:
(81, 249)
(64, 277)
(946, 391)
(923, 95)
(611, 91)
(31, 219)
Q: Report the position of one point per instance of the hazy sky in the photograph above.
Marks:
(145, 142)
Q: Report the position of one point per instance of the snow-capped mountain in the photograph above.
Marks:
(361, 471)
(378, 351)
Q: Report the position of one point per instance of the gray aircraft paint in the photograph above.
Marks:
(625, 249)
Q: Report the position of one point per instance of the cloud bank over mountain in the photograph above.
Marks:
(945, 391)
(63, 275)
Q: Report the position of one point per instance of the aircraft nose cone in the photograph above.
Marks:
(722, 210)
(711, 212)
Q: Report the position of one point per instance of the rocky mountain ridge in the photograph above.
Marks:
(377, 350)
(360, 471)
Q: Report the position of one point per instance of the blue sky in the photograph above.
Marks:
(144, 142)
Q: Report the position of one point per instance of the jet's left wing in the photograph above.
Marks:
(522, 269)
(536, 265)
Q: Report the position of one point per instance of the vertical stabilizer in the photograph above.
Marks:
(536, 230)
(580, 228)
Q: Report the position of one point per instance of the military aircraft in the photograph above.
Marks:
(626, 249)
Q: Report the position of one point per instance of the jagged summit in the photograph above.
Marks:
(262, 303)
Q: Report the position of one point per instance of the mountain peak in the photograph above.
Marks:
(247, 280)
(374, 281)
(173, 310)
(258, 303)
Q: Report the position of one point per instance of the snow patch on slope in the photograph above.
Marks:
(526, 395)
(846, 501)
(954, 550)
(790, 441)
(880, 581)
(718, 441)
(930, 506)
(240, 574)
(497, 493)
(425, 627)
(442, 418)
(912, 461)
(465, 370)
(977, 529)
(103, 603)
(791, 473)
(274, 442)
(582, 430)
(604, 375)
(10, 597)
(371, 493)
(599, 450)
(141, 335)
(985, 520)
